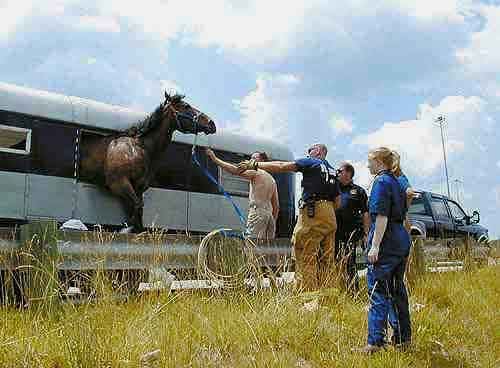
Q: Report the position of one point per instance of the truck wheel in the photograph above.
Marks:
(483, 239)
(416, 233)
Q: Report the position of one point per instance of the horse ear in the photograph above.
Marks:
(167, 96)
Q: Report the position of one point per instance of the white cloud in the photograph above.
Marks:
(341, 125)
(498, 164)
(362, 175)
(96, 23)
(278, 109)
(12, 13)
(497, 194)
(483, 55)
(259, 24)
(266, 30)
(265, 111)
(419, 141)
(480, 60)
(432, 10)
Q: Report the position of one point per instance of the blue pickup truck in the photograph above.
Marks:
(435, 216)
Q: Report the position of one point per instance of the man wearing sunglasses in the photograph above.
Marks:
(353, 223)
(314, 234)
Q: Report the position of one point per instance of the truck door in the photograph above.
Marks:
(459, 218)
(420, 211)
(445, 228)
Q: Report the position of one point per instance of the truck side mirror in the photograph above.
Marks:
(475, 217)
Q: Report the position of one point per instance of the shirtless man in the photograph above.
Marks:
(263, 205)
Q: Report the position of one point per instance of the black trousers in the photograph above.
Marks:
(345, 251)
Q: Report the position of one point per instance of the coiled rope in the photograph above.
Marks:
(227, 258)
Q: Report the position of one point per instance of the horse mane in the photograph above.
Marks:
(151, 121)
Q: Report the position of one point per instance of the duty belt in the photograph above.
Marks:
(310, 204)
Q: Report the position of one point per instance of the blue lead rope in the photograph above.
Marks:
(207, 173)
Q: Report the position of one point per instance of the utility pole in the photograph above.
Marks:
(441, 122)
(458, 184)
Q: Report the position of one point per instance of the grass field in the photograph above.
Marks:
(456, 322)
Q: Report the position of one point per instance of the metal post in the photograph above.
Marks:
(458, 182)
(441, 120)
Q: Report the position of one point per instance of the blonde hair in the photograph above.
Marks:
(396, 165)
(389, 158)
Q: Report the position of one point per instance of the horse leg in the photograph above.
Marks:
(133, 204)
(139, 212)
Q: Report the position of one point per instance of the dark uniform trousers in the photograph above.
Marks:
(345, 255)
(354, 203)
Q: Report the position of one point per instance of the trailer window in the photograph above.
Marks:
(15, 140)
(234, 184)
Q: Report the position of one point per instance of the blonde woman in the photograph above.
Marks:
(388, 247)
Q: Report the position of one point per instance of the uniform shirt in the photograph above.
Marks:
(318, 178)
(354, 202)
(404, 182)
(387, 198)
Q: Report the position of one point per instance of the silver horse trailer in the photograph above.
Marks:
(39, 154)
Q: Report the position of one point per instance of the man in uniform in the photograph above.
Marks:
(314, 234)
(353, 223)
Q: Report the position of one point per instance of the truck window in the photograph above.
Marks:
(439, 208)
(417, 207)
(456, 211)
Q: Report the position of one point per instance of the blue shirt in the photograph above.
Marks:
(318, 179)
(388, 198)
(404, 182)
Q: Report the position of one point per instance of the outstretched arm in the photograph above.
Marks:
(269, 166)
(230, 168)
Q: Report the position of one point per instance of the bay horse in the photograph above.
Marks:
(126, 162)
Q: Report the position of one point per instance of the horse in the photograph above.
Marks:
(126, 162)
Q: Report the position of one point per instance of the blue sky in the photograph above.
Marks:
(354, 76)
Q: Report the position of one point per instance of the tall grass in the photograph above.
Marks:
(455, 321)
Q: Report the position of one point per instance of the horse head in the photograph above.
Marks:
(187, 118)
